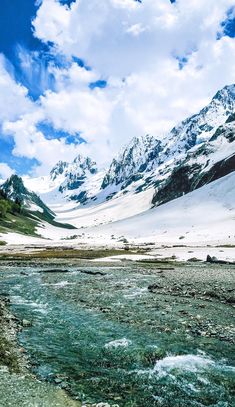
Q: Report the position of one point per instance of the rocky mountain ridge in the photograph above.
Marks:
(195, 152)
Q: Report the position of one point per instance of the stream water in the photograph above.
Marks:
(94, 335)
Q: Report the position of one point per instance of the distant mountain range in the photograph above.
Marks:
(199, 150)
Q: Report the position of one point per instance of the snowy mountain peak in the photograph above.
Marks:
(225, 95)
(77, 168)
(196, 151)
(58, 169)
(85, 164)
(137, 157)
(200, 127)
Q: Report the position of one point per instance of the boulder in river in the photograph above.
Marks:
(26, 323)
(214, 259)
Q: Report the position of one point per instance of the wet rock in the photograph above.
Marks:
(194, 259)
(54, 271)
(4, 369)
(26, 323)
(93, 273)
(230, 300)
(214, 259)
(58, 380)
(154, 287)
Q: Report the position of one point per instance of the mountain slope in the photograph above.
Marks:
(137, 158)
(150, 159)
(75, 182)
(202, 164)
(15, 190)
(26, 210)
(204, 215)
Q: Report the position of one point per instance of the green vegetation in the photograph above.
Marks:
(8, 206)
(21, 223)
(15, 218)
(62, 253)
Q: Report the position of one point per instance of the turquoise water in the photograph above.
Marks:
(96, 334)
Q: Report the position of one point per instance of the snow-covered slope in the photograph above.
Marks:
(203, 217)
(206, 215)
(201, 165)
(120, 207)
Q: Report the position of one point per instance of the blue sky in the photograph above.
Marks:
(72, 91)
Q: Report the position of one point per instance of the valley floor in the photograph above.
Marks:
(190, 226)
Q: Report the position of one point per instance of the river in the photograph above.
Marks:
(131, 335)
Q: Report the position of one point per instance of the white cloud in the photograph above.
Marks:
(134, 47)
(138, 41)
(101, 32)
(5, 171)
(13, 96)
(32, 143)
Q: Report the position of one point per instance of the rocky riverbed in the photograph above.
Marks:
(128, 335)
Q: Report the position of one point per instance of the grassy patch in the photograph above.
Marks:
(65, 254)
(2, 243)
(45, 217)
(27, 222)
(19, 223)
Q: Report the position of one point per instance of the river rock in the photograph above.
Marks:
(214, 259)
(26, 323)
(54, 271)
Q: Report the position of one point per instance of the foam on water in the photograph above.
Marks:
(183, 363)
(118, 343)
(62, 284)
(190, 363)
(136, 293)
(39, 307)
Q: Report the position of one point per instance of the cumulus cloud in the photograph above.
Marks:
(119, 37)
(5, 171)
(13, 99)
(32, 143)
(140, 43)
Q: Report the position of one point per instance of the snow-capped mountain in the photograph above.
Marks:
(141, 155)
(201, 165)
(152, 160)
(197, 151)
(15, 190)
(144, 186)
(67, 181)
(72, 175)
(200, 127)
